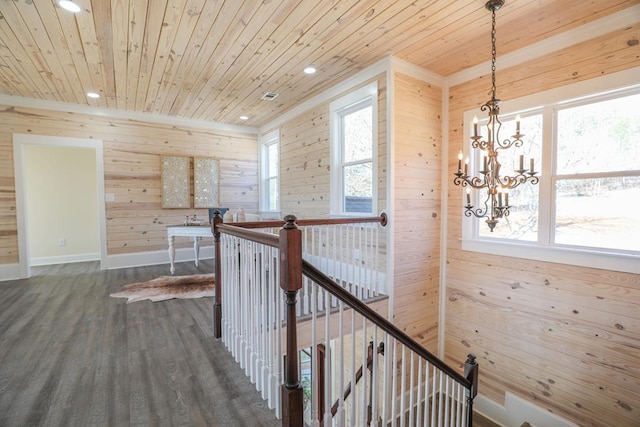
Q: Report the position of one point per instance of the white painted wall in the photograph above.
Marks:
(61, 202)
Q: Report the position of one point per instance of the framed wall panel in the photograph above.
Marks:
(176, 172)
(205, 182)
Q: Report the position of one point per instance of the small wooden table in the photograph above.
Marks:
(197, 232)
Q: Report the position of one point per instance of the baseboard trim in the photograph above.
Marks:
(516, 411)
(139, 259)
(156, 257)
(64, 259)
(9, 272)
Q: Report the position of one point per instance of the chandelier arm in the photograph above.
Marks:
(481, 144)
(473, 182)
(508, 143)
(477, 212)
(511, 182)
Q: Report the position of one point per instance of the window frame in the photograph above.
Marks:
(267, 141)
(544, 248)
(363, 97)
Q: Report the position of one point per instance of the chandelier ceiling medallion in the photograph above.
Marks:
(496, 205)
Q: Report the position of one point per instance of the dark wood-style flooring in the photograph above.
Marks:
(72, 356)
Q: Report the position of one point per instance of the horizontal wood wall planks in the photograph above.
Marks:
(132, 152)
(417, 148)
(564, 337)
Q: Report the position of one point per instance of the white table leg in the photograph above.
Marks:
(196, 247)
(172, 254)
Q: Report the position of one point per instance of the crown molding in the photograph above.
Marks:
(569, 38)
(415, 71)
(18, 101)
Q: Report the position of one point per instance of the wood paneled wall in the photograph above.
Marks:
(305, 180)
(305, 159)
(132, 149)
(417, 149)
(564, 337)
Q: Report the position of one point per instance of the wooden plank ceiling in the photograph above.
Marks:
(213, 60)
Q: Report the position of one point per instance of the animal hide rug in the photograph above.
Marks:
(168, 287)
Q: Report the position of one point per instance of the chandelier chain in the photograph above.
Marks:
(493, 53)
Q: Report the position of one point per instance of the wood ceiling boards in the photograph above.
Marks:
(213, 60)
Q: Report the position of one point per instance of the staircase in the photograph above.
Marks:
(275, 301)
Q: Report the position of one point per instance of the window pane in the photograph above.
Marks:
(272, 154)
(358, 188)
(358, 135)
(599, 212)
(600, 137)
(273, 194)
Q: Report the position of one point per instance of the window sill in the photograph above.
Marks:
(557, 254)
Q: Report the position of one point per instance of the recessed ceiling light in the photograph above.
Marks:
(310, 70)
(93, 95)
(244, 118)
(69, 5)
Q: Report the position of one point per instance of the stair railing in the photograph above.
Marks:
(259, 324)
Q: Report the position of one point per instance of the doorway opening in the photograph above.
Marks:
(59, 200)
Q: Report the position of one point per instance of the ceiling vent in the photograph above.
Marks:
(269, 96)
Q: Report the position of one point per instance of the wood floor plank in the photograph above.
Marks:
(71, 355)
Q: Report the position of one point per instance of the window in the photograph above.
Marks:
(596, 181)
(270, 170)
(353, 153)
(583, 210)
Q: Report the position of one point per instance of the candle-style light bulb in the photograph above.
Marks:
(468, 196)
(518, 124)
(466, 166)
(460, 161)
(506, 197)
(521, 163)
(475, 125)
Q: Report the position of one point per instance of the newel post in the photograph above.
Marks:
(217, 303)
(290, 251)
(471, 373)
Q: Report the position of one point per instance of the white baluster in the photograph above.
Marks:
(420, 397)
(315, 422)
(403, 386)
(363, 380)
(394, 386)
(411, 396)
(340, 359)
(374, 380)
(327, 365)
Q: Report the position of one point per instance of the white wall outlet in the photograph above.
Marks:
(62, 242)
(109, 197)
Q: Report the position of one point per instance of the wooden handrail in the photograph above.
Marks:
(343, 295)
(382, 220)
(234, 229)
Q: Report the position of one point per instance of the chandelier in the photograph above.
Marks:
(496, 204)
